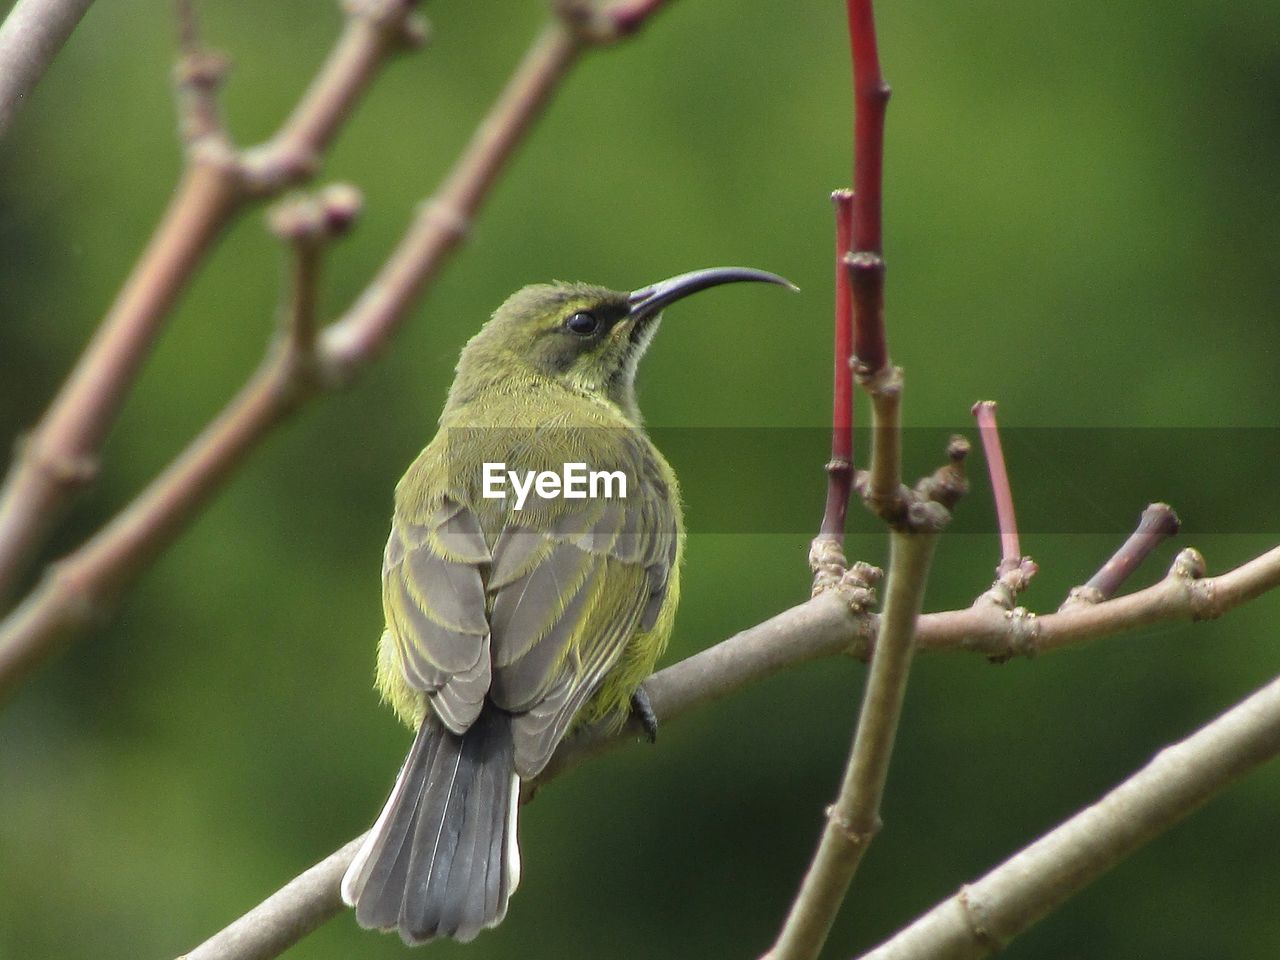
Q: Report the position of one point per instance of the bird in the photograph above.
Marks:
(509, 620)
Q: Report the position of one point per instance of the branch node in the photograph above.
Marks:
(197, 76)
(975, 919)
(306, 219)
(884, 382)
(269, 167)
(1023, 634)
(1189, 564)
(594, 24)
(415, 31)
(451, 221)
(828, 563)
(864, 262)
(1012, 577)
(387, 15)
(68, 471)
(856, 835)
(948, 483)
(1081, 596)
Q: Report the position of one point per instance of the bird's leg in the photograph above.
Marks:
(643, 711)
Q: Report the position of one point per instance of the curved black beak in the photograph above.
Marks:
(648, 301)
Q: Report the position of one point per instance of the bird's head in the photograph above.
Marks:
(586, 337)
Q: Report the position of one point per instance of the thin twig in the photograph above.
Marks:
(59, 458)
(840, 467)
(822, 627)
(443, 222)
(987, 914)
(984, 411)
(1157, 524)
(30, 38)
(826, 554)
(374, 30)
(1014, 571)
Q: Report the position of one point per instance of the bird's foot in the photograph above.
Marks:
(643, 711)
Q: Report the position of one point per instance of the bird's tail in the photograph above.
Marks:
(442, 859)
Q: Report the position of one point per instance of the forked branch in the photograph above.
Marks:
(59, 458)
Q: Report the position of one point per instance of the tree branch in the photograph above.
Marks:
(30, 38)
(60, 456)
(854, 819)
(305, 903)
(987, 914)
(821, 627)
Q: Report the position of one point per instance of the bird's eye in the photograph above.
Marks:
(582, 323)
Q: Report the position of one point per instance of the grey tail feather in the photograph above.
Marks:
(442, 859)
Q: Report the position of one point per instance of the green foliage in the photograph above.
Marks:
(1081, 222)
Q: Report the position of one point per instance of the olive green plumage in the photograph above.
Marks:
(505, 626)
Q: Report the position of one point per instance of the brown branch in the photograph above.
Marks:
(60, 456)
(30, 38)
(444, 220)
(86, 586)
(821, 627)
(987, 914)
(373, 31)
(1157, 524)
(854, 819)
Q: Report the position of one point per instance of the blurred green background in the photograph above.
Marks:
(1082, 222)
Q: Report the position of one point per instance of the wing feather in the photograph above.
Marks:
(536, 621)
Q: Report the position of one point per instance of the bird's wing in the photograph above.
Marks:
(566, 601)
(434, 597)
(538, 621)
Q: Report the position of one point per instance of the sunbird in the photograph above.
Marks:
(506, 627)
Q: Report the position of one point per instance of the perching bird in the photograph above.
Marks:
(506, 626)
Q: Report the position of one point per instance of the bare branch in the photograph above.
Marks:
(840, 467)
(60, 457)
(987, 914)
(30, 38)
(984, 411)
(444, 220)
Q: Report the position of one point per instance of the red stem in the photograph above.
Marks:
(840, 467)
(985, 413)
(866, 263)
